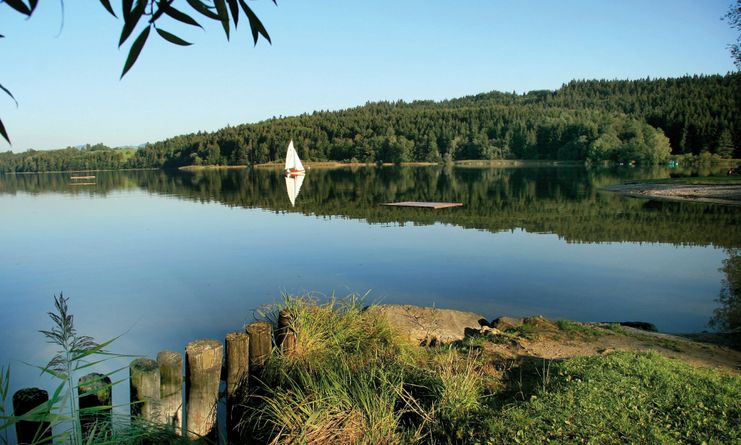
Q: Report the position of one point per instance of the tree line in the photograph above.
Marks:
(644, 121)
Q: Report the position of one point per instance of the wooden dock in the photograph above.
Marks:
(81, 177)
(424, 205)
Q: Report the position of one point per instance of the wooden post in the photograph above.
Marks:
(237, 362)
(171, 388)
(27, 431)
(237, 373)
(203, 360)
(144, 374)
(261, 343)
(286, 334)
(99, 388)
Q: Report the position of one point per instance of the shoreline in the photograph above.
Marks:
(703, 193)
(550, 339)
(461, 163)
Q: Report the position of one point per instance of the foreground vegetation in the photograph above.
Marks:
(61, 418)
(597, 120)
(352, 380)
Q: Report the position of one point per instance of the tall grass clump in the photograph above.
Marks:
(341, 382)
(337, 330)
(338, 405)
(352, 379)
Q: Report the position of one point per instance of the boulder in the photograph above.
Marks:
(504, 323)
(429, 325)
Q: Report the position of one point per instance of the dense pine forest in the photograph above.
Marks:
(644, 121)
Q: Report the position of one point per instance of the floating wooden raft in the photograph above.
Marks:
(422, 204)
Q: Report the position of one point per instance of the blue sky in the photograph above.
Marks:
(330, 55)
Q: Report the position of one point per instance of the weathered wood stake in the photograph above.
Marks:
(237, 373)
(203, 359)
(261, 343)
(99, 388)
(237, 362)
(144, 374)
(171, 388)
(286, 335)
(27, 432)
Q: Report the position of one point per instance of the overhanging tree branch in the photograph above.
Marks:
(132, 11)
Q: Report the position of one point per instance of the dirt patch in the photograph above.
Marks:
(537, 337)
(716, 194)
(600, 338)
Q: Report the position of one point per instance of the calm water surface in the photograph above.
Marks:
(168, 257)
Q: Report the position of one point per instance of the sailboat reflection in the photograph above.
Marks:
(293, 186)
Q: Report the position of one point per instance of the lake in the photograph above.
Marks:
(168, 257)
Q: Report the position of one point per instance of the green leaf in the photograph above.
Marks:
(202, 9)
(136, 48)
(4, 384)
(126, 7)
(107, 5)
(161, 5)
(255, 23)
(7, 91)
(181, 16)
(4, 133)
(172, 38)
(223, 15)
(131, 21)
(234, 9)
(19, 6)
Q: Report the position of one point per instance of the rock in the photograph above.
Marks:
(504, 323)
(642, 325)
(489, 330)
(428, 325)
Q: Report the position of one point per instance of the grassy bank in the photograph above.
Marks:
(352, 380)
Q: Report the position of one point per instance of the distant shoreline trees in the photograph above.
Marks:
(644, 121)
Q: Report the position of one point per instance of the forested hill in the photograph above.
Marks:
(638, 120)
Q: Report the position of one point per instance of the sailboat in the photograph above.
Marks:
(294, 167)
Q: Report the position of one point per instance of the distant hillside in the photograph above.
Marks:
(639, 120)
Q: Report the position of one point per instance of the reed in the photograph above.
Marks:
(78, 354)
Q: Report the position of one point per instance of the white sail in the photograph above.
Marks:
(292, 160)
(297, 162)
(293, 186)
(290, 156)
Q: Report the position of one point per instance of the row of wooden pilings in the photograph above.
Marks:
(156, 386)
